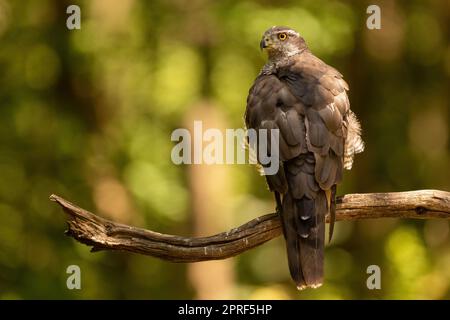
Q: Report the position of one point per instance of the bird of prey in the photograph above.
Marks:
(306, 100)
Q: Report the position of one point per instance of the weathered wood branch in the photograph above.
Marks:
(103, 234)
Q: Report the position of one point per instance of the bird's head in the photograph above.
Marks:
(281, 42)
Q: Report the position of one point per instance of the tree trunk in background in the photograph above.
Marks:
(210, 188)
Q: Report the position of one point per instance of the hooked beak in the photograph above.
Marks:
(263, 44)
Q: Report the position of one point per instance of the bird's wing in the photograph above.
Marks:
(308, 103)
(322, 90)
(270, 105)
(333, 132)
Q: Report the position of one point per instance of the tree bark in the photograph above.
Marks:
(103, 234)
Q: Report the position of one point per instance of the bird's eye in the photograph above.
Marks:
(282, 36)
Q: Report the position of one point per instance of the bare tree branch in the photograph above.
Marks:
(103, 234)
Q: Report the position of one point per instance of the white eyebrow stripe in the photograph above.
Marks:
(288, 31)
(292, 32)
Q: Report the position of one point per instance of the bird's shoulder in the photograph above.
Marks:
(312, 81)
(270, 98)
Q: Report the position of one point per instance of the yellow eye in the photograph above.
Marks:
(282, 36)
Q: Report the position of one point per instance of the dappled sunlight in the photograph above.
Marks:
(408, 260)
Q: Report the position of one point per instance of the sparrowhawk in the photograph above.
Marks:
(307, 101)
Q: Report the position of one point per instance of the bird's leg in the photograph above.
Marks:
(278, 201)
(331, 205)
(279, 209)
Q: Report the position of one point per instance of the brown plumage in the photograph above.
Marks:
(306, 100)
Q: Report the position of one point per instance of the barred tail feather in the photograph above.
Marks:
(303, 222)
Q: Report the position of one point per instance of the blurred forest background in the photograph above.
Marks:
(87, 114)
